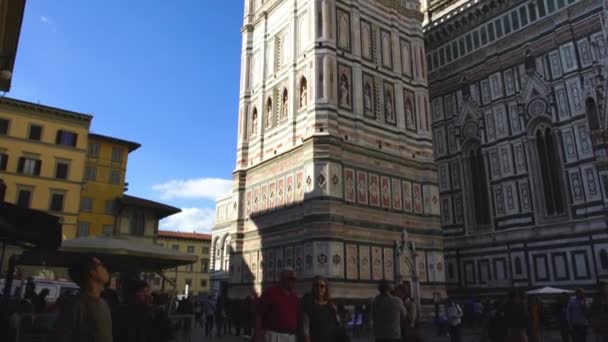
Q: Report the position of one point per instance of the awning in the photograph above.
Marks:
(29, 228)
(547, 290)
(120, 254)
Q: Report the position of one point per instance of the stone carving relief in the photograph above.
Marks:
(389, 106)
(344, 89)
(410, 115)
(269, 117)
(254, 122)
(303, 92)
(387, 58)
(343, 30)
(284, 104)
(368, 95)
(366, 40)
(406, 59)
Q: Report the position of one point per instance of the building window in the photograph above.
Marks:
(84, 229)
(491, 35)
(61, 170)
(35, 132)
(561, 3)
(532, 11)
(66, 138)
(484, 36)
(4, 123)
(175, 247)
(115, 177)
(138, 224)
(203, 283)
(498, 25)
(592, 117)
(93, 150)
(29, 166)
(476, 39)
(515, 20)
(24, 198)
(604, 259)
(189, 268)
(56, 201)
(518, 266)
(204, 265)
(90, 173)
(110, 207)
(3, 161)
(541, 8)
(108, 230)
(205, 250)
(550, 171)
(481, 202)
(469, 42)
(86, 204)
(551, 5)
(117, 154)
(190, 249)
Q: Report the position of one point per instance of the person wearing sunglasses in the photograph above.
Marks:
(87, 317)
(320, 320)
(277, 312)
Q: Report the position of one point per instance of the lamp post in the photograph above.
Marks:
(401, 249)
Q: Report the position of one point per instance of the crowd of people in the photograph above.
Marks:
(99, 314)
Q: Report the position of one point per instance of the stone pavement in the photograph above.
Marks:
(428, 335)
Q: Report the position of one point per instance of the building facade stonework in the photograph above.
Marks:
(517, 93)
(334, 155)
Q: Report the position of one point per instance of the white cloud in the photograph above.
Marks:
(209, 188)
(190, 220)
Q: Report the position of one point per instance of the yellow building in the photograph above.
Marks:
(42, 158)
(104, 177)
(196, 276)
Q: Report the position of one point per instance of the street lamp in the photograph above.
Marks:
(401, 250)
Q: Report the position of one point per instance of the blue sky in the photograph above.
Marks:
(162, 73)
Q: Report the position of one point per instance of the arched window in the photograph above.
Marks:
(269, 116)
(592, 116)
(604, 259)
(550, 171)
(518, 267)
(254, 121)
(479, 187)
(303, 92)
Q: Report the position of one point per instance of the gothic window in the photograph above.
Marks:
(604, 259)
(592, 117)
(269, 116)
(226, 254)
(303, 92)
(254, 121)
(518, 267)
(284, 104)
(550, 170)
(479, 187)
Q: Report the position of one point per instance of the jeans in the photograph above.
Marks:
(579, 333)
(455, 334)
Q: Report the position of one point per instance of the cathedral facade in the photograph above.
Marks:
(518, 100)
(335, 173)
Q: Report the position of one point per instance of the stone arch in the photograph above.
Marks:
(544, 151)
(303, 92)
(477, 193)
(592, 114)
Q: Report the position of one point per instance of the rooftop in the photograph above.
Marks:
(45, 109)
(132, 145)
(182, 235)
(161, 210)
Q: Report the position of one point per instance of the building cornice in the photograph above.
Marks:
(47, 110)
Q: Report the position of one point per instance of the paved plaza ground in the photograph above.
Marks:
(428, 335)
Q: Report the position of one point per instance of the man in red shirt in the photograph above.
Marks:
(277, 311)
